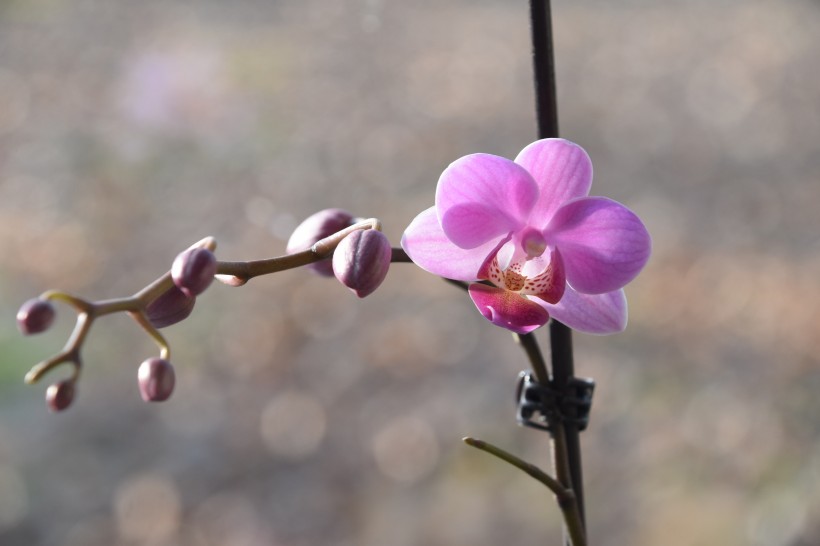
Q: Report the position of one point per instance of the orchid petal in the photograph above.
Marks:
(562, 170)
(592, 314)
(472, 224)
(428, 246)
(508, 309)
(604, 244)
(480, 197)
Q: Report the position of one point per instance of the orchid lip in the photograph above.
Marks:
(547, 282)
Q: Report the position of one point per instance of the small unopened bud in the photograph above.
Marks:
(156, 379)
(35, 316)
(60, 395)
(193, 270)
(169, 308)
(361, 261)
(316, 227)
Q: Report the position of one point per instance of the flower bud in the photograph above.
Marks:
(361, 261)
(171, 307)
(35, 316)
(316, 227)
(193, 270)
(60, 395)
(156, 379)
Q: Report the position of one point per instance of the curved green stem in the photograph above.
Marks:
(70, 353)
(79, 304)
(529, 468)
(564, 495)
(539, 365)
(142, 320)
(239, 273)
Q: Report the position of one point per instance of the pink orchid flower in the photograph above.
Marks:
(530, 232)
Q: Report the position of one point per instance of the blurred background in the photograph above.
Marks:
(304, 417)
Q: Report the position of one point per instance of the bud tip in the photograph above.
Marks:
(60, 395)
(361, 261)
(193, 270)
(35, 316)
(156, 379)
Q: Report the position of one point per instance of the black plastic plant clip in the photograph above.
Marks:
(538, 404)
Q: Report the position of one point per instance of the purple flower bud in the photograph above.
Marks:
(316, 227)
(193, 270)
(156, 380)
(60, 395)
(35, 316)
(361, 261)
(171, 307)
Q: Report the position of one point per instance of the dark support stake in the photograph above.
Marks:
(547, 112)
(563, 372)
(546, 104)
